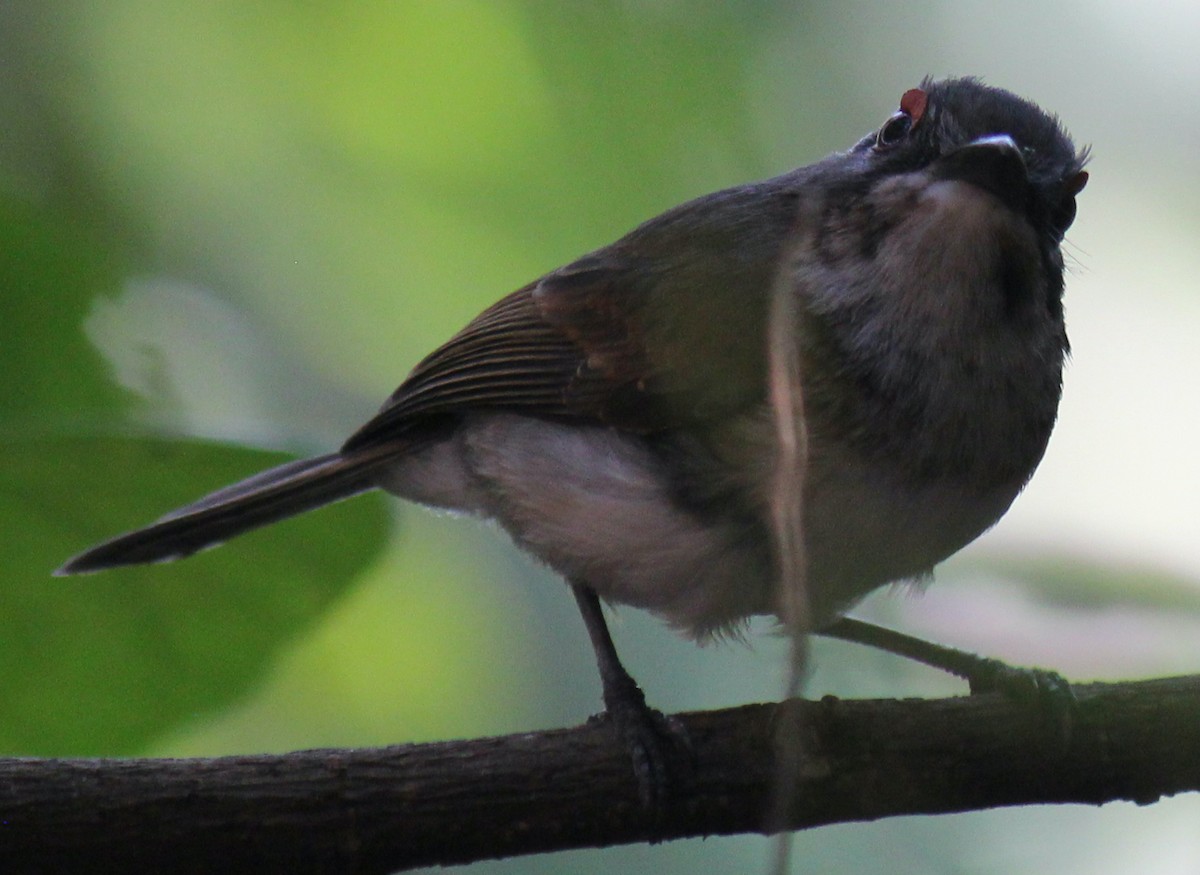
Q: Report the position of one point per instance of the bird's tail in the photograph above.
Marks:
(264, 498)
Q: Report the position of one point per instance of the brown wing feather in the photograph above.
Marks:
(509, 357)
(646, 334)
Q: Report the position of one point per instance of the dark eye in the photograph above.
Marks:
(1063, 214)
(894, 130)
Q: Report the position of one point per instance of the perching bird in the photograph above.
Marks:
(613, 416)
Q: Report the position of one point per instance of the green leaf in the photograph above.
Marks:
(50, 273)
(104, 663)
(107, 663)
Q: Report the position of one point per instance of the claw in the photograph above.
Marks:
(659, 748)
(1047, 690)
(658, 745)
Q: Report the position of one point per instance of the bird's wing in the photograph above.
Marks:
(663, 328)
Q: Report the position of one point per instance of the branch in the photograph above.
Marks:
(380, 810)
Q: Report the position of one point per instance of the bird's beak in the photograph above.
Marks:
(994, 164)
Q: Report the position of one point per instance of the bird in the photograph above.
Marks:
(613, 416)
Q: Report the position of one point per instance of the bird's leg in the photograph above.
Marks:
(654, 742)
(1048, 689)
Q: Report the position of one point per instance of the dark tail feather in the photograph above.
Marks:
(264, 498)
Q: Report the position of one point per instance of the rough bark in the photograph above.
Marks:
(383, 810)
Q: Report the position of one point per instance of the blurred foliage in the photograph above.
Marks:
(104, 665)
(52, 270)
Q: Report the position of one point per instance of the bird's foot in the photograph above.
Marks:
(658, 745)
(1047, 691)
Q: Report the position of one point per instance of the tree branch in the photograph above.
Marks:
(380, 810)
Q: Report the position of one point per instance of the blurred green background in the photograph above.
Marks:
(228, 229)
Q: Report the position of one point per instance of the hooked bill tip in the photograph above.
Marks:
(993, 163)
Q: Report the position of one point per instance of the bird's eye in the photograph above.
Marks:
(1063, 214)
(912, 109)
(894, 130)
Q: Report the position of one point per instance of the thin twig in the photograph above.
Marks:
(786, 394)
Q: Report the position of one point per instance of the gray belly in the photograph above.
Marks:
(600, 508)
